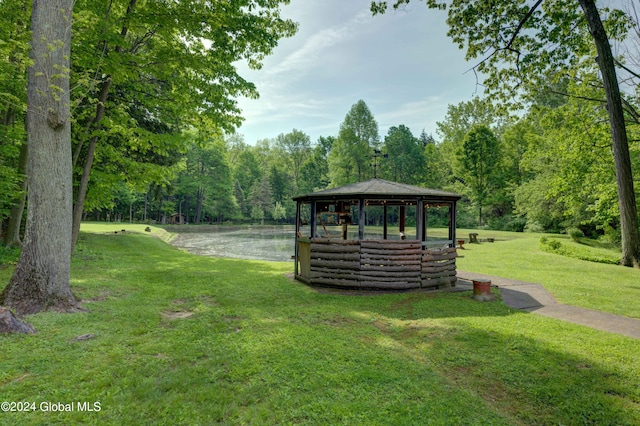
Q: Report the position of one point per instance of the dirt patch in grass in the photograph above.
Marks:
(174, 315)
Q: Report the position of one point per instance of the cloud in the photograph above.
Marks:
(306, 56)
(401, 64)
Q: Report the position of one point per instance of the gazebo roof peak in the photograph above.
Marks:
(378, 188)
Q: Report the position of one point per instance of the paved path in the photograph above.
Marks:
(534, 298)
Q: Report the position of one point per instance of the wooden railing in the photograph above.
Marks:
(375, 264)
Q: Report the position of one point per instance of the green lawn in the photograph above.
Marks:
(182, 339)
(598, 286)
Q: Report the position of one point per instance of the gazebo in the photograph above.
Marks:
(345, 237)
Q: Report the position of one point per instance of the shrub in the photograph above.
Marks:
(554, 244)
(517, 224)
(575, 234)
(612, 235)
(534, 227)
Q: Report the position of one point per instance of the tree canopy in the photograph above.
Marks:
(524, 47)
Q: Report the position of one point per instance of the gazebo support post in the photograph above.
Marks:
(312, 219)
(402, 218)
(361, 219)
(295, 249)
(452, 223)
(420, 222)
(385, 227)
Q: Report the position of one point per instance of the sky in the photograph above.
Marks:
(402, 64)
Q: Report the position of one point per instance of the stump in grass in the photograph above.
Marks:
(10, 324)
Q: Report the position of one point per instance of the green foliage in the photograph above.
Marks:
(404, 159)
(9, 189)
(612, 235)
(279, 212)
(575, 234)
(478, 159)
(553, 245)
(526, 51)
(314, 174)
(246, 170)
(350, 156)
(568, 173)
(14, 48)
(8, 256)
(297, 146)
(261, 198)
(149, 74)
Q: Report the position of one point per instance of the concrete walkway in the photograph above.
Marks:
(534, 298)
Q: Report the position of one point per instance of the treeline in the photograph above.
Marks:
(550, 169)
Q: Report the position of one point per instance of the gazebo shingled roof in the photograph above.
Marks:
(379, 189)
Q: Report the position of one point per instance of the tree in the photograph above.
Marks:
(461, 118)
(297, 145)
(404, 161)
(567, 172)
(478, 158)
(41, 278)
(436, 169)
(173, 62)
(315, 171)
(14, 33)
(247, 172)
(351, 152)
(260, 198)
(279, 212)
(513, 39)
(207, 179)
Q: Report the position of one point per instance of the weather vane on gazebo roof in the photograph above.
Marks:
(377, 154)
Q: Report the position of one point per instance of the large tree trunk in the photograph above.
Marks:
(41, 278)
(624, 174)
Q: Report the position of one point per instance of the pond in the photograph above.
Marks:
(273, 243)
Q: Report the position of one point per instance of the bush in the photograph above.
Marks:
(508, 223)
(534, 227)
(612, 236)
(517, 224)
(575, 234)
(552, 245)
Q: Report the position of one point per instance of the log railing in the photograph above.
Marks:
(376, 264)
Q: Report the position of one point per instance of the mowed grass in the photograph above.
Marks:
(609, 288)
(182, 339)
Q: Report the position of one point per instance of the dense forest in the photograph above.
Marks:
(546, 165)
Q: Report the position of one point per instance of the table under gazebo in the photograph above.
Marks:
(376, 234)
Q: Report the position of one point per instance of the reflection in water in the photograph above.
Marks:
(257, 243)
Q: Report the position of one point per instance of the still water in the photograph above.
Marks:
(274, 243)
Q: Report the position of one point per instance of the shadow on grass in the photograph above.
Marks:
(523, 377)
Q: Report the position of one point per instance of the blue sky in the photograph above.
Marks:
(401, 64)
